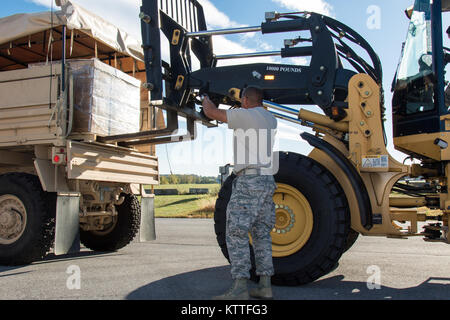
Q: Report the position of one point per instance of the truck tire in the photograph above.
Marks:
(121, 233)
(26, 221)
(312, 224)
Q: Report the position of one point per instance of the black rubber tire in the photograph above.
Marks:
(331, 227)
(37, 238)
(220, 212)
(126, 228)
(351, 239)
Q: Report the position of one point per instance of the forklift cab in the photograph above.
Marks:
(418, 104)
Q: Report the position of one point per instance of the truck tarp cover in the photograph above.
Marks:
(74, 17)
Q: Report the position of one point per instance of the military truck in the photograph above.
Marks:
(73, 117)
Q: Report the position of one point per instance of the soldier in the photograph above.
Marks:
(251, 208)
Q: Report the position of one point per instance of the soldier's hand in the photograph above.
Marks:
(212, 111)
(207, 104)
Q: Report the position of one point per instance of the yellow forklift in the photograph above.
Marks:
(349, 184)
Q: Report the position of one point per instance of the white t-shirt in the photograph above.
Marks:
(254, 138)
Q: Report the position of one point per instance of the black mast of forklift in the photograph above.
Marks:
(175, 87)
(324, 82)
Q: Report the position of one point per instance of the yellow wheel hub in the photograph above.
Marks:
(294, 221)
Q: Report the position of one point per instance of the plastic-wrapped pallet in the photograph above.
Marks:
(106, 100)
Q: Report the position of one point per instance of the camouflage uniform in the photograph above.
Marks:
(251, 209)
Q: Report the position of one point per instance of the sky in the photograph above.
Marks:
(381, 22)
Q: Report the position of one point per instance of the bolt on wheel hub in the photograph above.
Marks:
(285, 219)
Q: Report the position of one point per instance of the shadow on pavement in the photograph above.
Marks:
(196, 285)
(337, 288)
(51, 258)
(12, 274)
(206, 283)
(75, 256)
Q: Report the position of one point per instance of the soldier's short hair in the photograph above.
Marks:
(254, 94)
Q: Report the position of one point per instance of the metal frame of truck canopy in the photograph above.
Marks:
(88, 34)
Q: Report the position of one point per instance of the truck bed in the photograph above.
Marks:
(28, 106)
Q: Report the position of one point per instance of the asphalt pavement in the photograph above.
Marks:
(185, 263)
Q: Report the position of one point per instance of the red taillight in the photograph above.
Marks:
(59, 156)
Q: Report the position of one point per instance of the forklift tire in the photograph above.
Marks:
(299, 258)
(26, 221)
(121, 233)
(351, 239)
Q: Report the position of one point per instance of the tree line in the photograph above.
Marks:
(187, 179)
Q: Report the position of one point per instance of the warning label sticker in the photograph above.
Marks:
(375, 161)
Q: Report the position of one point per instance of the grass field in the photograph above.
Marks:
(184, 188)
(186, 205)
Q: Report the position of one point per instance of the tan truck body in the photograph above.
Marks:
(37, 117)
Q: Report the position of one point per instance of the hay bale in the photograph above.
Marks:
(166, 192)
(198, 190)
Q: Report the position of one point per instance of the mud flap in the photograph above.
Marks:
(147, 227)
(67, 235)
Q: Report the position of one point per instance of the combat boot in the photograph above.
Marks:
(264, 289)
(238, 291)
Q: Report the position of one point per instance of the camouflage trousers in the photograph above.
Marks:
(251, 210)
